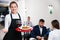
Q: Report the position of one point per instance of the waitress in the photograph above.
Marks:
(12, 21)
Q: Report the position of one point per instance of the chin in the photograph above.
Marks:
(13, 11)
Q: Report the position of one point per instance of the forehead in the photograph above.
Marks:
(41, 22)
(13, 4)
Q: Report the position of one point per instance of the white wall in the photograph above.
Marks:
(21, 9)
(38, 9)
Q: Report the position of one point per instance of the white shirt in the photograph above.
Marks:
(54, 35)
(40, 30)
(8, 19)
(28, 23)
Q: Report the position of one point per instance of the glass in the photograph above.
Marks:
(18, 23)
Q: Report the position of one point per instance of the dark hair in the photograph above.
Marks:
(28, 16)
(13, 2)
(55, 24)
(41, 20)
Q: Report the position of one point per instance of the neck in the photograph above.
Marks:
(41, 26)
(13, 12)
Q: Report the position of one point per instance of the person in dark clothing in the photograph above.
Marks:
(39, 31)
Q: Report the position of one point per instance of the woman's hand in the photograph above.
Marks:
(4, 30)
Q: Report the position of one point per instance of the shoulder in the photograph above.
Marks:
(36, 26)
(51, 33)
(7, 16)
(55, 33)
(58, 30)
(44, 27)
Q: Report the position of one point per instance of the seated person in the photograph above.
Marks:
(55, 33)
(28, 23)
(38, 31)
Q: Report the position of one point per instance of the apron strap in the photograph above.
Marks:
(19, 16)
(11, 16)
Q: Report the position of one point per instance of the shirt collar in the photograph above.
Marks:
(40, 27)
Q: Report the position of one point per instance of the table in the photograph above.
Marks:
(27, 30)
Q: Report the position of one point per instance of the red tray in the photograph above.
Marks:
(20, 30)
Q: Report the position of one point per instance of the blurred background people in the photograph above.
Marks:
(28, 23)
(12, 21)
(38, 31)
(55, 34)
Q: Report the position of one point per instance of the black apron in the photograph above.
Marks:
(12, 34)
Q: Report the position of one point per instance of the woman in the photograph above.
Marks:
(55, 34)
(12, 21)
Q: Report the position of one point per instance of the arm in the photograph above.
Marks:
(33, 33)
(6, 24)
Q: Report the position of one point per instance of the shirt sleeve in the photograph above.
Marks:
(7, 22)
(50, 36)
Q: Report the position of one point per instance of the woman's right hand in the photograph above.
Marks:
(5, 30)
